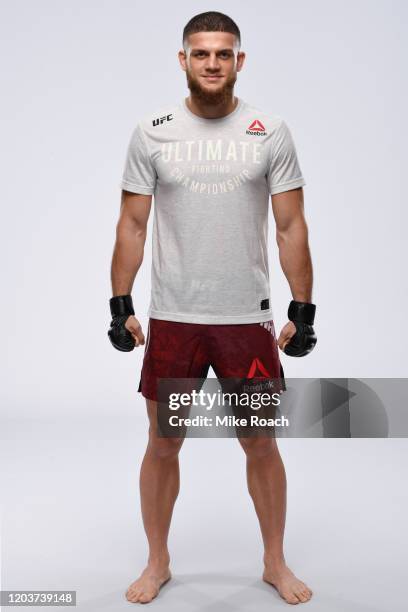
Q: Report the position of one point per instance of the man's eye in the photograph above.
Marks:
(225, 55)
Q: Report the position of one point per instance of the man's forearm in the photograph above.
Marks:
(127, 259)
(296, 262)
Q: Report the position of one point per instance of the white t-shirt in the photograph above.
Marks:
(211, 180)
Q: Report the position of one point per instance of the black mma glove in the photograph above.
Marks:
(303, 342)
(121, 308)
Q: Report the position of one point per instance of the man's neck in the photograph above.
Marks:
(211, 111)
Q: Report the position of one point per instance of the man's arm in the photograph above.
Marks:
(292, 239)
(129, 248)
(294, 253)
(130, 240)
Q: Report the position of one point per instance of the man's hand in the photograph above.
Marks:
(134, 327)
(287, 332)
(125, 330)
(298, 337)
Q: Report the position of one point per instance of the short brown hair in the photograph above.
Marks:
(211, 21)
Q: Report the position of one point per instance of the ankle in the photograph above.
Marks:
(274, 560)
(161, 559)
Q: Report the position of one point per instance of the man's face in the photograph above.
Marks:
(211, 61)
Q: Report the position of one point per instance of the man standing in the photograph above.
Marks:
(211, 163)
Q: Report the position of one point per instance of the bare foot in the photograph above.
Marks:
(147, 586)
(290, 588)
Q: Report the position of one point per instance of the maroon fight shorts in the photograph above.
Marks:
(187, 350)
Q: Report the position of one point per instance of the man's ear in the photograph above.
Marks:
(182, 59)
(240, 60)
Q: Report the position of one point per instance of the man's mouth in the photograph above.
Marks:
(212, 77)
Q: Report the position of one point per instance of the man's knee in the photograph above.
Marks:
(165, 448)
(258, 446)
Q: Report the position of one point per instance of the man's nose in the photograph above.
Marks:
(212, 62)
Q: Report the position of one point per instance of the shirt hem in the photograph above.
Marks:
(293, 184)
(203, 319)
(137, 188)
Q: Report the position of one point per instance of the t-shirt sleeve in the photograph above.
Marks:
(139, 175)
(284, 171)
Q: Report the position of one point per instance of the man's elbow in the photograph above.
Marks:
(280, 238)
(130, 230)
(295, 233)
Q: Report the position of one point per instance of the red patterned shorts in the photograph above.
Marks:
(187, 350)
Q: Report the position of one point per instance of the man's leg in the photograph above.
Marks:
(267, 487)
(159, 487)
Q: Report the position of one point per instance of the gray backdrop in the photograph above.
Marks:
(76, 77)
